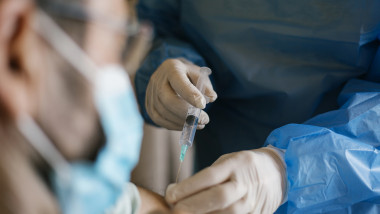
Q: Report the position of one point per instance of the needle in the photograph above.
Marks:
(179, 169)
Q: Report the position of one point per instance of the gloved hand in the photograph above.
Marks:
(169, 91)
(241, 182)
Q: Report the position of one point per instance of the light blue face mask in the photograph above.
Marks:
(84, 187)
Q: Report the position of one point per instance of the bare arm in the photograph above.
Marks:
(152, 203)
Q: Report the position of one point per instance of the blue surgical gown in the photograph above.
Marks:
(303, 76)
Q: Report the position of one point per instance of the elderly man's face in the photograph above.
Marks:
(36, 79)
(68, 112)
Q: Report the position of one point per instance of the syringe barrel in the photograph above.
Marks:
(190, 126)
(204, 72)
(191, 123)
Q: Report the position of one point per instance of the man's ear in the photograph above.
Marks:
(15, 82)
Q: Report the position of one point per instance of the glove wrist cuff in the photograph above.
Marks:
(279, 155)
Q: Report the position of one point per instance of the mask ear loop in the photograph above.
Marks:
(43, 145)
(32, 132)
(27, 126)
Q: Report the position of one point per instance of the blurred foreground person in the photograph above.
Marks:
(70, 129)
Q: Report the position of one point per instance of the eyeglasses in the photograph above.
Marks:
(76, 11)
(138, 35)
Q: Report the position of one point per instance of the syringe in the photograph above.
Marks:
(191, 123)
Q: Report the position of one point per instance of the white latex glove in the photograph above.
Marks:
(241, 182)
(169, 91)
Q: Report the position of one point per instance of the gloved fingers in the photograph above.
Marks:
(157, 117)
(236, 208)
(204, 179)
(163, 116)
(173, 102)
(177, 105)
(156, 111)
(194, 74)
(199, 127)
(209, 91)
(166, 113)
(215, 198)
(176, 108)
(164, 122)
(211, 94)
(182, 85)
(177, 123)
(203, 120)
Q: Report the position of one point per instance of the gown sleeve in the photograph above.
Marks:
(333, 159)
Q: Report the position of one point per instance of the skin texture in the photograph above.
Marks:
(34, 79)
(152, 203)
(155, 204)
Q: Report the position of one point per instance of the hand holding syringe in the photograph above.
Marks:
(191, 123)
